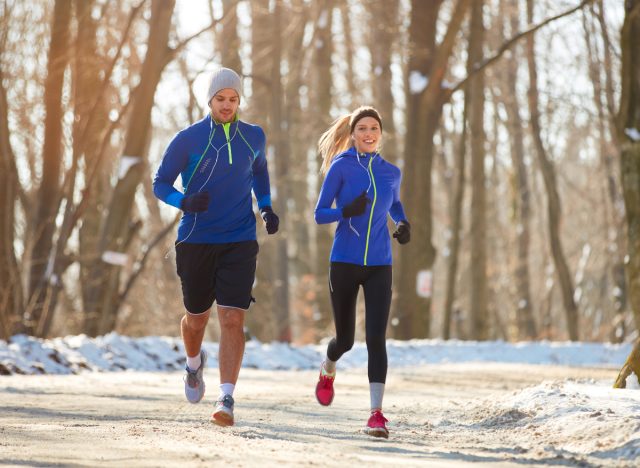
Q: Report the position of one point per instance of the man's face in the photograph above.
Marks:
(224, 105)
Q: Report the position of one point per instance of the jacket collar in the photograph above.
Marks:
(215, 123)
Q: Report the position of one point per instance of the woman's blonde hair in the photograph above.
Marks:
(337, 137)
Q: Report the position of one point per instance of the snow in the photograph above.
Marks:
(417, 82)
(633, 133)
(74, 354)
(577, 417)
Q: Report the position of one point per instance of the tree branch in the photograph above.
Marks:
(507, 45)
(109, 72)
(142, 262)
(172, 52)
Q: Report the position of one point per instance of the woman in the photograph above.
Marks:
(365, 188)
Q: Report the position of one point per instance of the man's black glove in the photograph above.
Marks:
(356, 207)
(270, 219)
(403, 232)
(195, 203)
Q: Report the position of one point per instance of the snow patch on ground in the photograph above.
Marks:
(113, 352)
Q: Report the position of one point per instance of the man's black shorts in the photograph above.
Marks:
(216, 272)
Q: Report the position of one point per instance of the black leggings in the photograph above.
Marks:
(344, 282)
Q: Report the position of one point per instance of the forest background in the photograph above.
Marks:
(515, 122)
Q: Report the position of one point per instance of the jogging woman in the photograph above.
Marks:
(365, 189)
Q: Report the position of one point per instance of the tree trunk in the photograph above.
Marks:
(353, 90)
(609, 150)
(299, 210)
(228, 37)
(321, 84)
(281, 149)
(91, 142)
(118, 227)
(49, 192)
(11, 293)
(413, 311)
(553, 198)
(631, 366)
(383, 35)
(424, 107)
(456, 223)
(525, 323)
(628, 131)
(478, 301)
(266, 270)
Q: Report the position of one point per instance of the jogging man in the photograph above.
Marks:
(220, 159)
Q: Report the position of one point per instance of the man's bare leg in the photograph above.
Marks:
(193, 327)
(230, 354)
(231, 343)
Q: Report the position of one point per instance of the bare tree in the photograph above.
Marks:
(228, 39)
(383, 37)
(479, 319)
(11, 289)
(321, 85)
(601, 76)
(522, 203)
(628, 132)
(41, 279)
(281, 149)
(554, 211)
(427, 63)
(118, 230)
(456, 222)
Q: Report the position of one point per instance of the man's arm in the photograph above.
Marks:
(173, 162)
(261, 184)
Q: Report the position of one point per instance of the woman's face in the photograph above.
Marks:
(224, 105)
(367, 135)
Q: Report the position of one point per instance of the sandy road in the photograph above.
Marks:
(141, 419)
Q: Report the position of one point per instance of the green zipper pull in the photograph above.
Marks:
(373, 205)
(225, 127)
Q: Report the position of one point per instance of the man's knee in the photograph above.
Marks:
(231, 318)
(196, 322)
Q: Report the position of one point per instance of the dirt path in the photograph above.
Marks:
(142, 419)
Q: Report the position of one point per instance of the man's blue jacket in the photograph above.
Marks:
(226, 160)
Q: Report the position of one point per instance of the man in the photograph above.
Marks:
(221, 159)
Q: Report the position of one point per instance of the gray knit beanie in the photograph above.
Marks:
(221, 79)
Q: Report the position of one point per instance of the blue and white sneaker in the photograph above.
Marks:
(223, 414)
(194, 381)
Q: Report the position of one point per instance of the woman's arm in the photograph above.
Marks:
(324, 213)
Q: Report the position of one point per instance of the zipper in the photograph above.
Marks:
(373, 205)
(226, 127)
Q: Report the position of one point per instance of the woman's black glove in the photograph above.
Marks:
(356, 207)
(195, 203)
(270, 219)
(403, 232)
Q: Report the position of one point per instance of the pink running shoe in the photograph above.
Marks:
(324, 388)
(376, 426)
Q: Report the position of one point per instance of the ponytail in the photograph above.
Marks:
(334, 141)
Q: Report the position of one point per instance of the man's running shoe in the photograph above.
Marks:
(324, 387)
(223, 415)
(376, 426)
(194, 380)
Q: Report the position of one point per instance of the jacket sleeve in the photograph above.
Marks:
(331, 185)
(260, 184)
(397, 210)
(173, 162)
